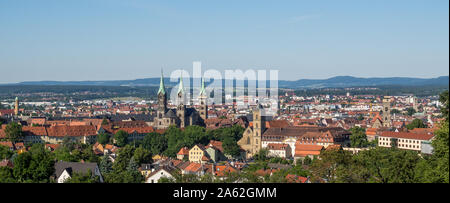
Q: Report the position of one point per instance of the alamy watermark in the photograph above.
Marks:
(243, 89)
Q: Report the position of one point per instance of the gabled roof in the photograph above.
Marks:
(183, 151)
(193, 167)
(222, 170)
(216, 144)
(71, 167)
(166, 168)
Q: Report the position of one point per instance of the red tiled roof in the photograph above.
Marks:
(295, 179)
(302, 150)
(193, 167)
(407, 135)
(76, 131)
(216, 144)
(36, 130)
(183, 151)
(262, 172)
(223, 169)
(277, 124)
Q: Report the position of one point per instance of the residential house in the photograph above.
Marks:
(64, 170)
(198, 154)
(184, 152)
(162, 172)
(279, 150)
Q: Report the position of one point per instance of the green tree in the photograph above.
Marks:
(68, 143)
(103, 138)
(410, 111)
(64, 154)
(105, 121)
(6, 175)
(230, 147)
(445, 104)
(36, 165)
(14, 132)
(88, 155)
(416, 123)
(387, 165)
(326, 168)
(262, 155)
(86, 177)
(155, 142)
(358, 137)
(105, 164)
(133, 174)
(435, 168)
(121, 138)
(124, 156)
(5, 153)
(142, 156)
(307, 161)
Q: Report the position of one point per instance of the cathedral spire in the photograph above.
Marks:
(181, 86)
(161, 85)
(203, 90)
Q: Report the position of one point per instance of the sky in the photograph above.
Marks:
(74, 40)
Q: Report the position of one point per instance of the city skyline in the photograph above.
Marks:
(126, 40)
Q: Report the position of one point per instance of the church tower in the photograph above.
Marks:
(16, 107)
(203, 110)
(162, 101)
(259, 125)
(387, 111)
(181, 108)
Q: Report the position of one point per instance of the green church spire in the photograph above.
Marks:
(161, 85)
(203, 90)
(181, 86)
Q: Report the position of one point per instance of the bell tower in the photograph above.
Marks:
(181, 107)
(162, 102)
(259, 125)
(16, 106)
(203, 109)
(387, 111)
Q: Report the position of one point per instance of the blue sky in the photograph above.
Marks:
(128, 39)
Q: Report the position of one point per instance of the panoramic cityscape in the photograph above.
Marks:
(87, 111)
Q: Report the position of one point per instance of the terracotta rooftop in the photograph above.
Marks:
(407, 135)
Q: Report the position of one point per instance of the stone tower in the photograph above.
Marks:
(387, 111)
(259, 125)
(162, 102)
(251, 138)
(203, 109)
(16, 106)
(181, 107)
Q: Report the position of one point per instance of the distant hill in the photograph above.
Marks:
(339, 81)
(349, 81)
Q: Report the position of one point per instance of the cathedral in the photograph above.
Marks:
(182, 115)
(251, 138)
